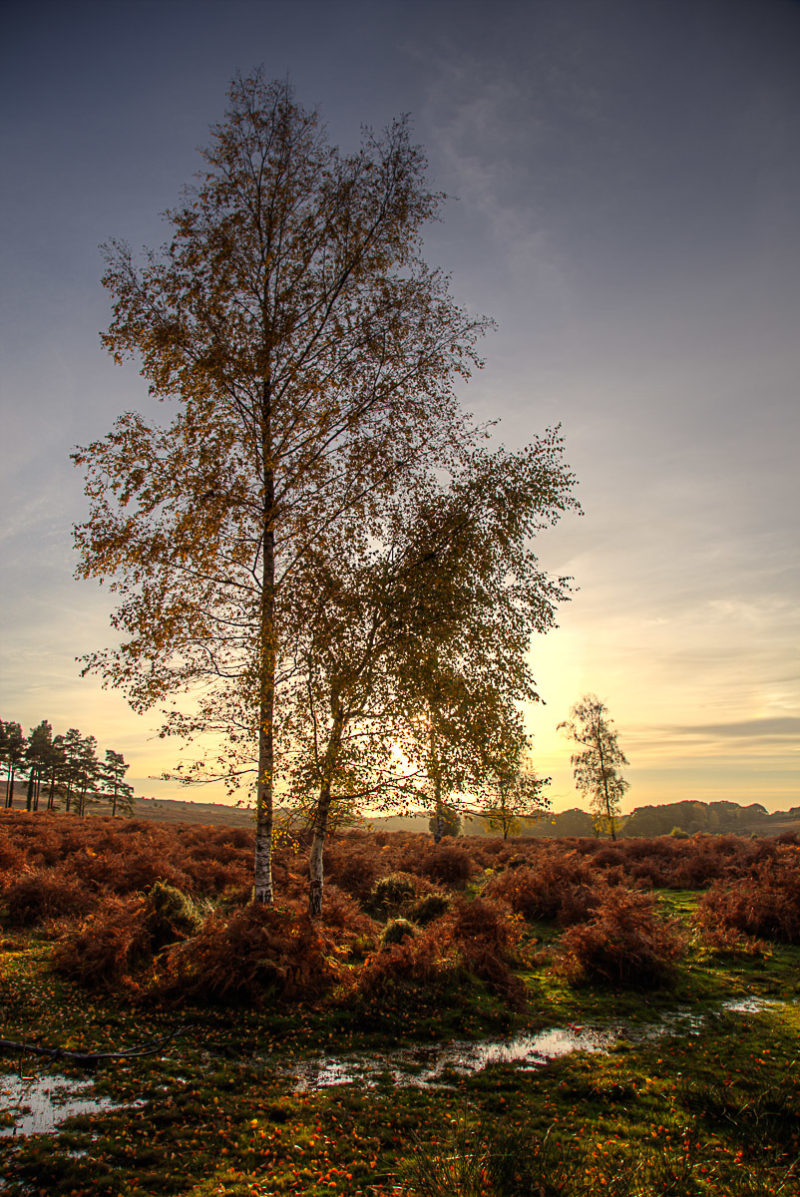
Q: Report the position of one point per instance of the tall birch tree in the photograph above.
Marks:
(309, 355)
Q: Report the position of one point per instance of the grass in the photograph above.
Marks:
(218, 1124)
(710, 1113)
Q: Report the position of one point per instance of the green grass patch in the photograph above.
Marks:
(702, 1110)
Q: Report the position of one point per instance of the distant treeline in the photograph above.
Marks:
(670, 818)
(62, 771)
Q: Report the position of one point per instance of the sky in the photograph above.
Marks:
(624, 189)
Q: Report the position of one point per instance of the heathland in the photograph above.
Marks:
(243, 1049)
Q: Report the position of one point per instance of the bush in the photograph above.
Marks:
(488, 938)
(560, 888)
(449, 864)
(390, 894)
(354, 929)
(765, 905)
(623, 944)
(40, 894)
(353, 868)
(416, 971)
(253, 954)
(129, 871)
(169, 915)
(12, 859)
(109, 948)
(396, 930)
(728, 941)
(429, 907)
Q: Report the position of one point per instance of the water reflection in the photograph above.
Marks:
(39, 1104)
(428, 1067)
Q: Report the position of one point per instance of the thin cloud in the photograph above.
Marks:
(780, 726)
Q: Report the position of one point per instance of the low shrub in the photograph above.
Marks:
(353, 928)
(214, 877)
(353, 868)
(429, 907)
(765, 904)
(560, 888)
(518, 861)
(448, 864)
(487, 922)
(109, 948)
(255, 954)
(729, 941)
(609, 856)
(396, 930)
(390, 894)
(170, 915)
(624, 943)
(130, 871)
(417, 971)
(12, 860)
(40, 894)
(488, 934)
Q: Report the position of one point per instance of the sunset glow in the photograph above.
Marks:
(625, 207)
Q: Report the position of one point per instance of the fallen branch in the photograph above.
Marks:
(11, 1046)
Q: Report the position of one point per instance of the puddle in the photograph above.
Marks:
(426, 1067)
(39, 1104)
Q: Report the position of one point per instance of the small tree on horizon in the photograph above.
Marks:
(38, 752)
(512, 792)
(595, 767)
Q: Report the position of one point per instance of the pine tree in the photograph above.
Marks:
(38, 748)
(14, 742)
(112, 777)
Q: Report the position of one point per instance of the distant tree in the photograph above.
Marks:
(4, 753)
(38, 749)
(81, 770)
(70, 748)
(311, 355)
(14, 755)
(446, 820)
(467, 717)
(513, 792)
(573, 822)
(88, 771)
(595, 767)
(651, 820)
(57, 769)
(117, 790)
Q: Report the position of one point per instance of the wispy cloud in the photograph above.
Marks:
(776, 727)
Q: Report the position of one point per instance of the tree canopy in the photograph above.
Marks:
(67, 765)
(410, 663)
(309, 356)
